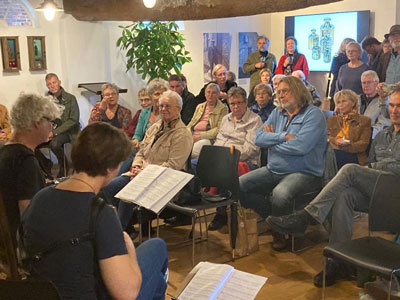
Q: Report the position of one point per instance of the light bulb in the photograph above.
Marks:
(149, 3)
(49, 13)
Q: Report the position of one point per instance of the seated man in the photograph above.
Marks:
(296, 138)
(167, 143)
(32, 120)
(351, 189)
(67, 125)
(312, 89)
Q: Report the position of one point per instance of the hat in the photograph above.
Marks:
(395, 29)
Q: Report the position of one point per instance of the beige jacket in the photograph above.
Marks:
(171, 149)
(214, 119)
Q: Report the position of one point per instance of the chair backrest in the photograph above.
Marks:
(384, 210)
(28, 290)
(7, 243)
(218, 166)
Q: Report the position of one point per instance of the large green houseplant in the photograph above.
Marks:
(154, 49)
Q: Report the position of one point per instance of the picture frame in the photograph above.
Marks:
(37, 53)
(10, 53)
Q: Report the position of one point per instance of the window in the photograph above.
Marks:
(15, 12)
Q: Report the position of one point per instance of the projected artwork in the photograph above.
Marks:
(247, 45)
(217, 50)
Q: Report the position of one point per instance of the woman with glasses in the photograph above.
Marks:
(108, 110)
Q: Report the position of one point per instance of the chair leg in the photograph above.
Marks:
(158, 225)
(205, 219)
(193, 237)
(390, 286)
(323, 278)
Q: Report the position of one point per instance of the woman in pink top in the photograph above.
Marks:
(207, 119)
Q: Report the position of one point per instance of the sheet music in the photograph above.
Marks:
(154, 187)
(207, 282)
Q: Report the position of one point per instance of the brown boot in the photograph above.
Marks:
(279, 242)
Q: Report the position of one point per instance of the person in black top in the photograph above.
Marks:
(189, 103)
(32, 120)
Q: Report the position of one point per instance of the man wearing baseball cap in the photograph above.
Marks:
(389, 66)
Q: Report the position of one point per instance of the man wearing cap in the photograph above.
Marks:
(389, 66)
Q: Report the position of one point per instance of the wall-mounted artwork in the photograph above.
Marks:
(247, 45)
(217, 50)
(37, 53)
(10, 54)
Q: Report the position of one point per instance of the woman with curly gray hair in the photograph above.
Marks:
(32, 121)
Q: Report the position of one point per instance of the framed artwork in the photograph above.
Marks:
(37, 53)
(247, 45)
(216, 50)
(10, 53)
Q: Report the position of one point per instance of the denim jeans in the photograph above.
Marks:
(152, 256)
(351, 189)
(272, 194)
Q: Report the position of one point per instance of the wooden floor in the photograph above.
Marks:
(289, 274)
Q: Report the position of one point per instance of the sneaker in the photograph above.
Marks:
(218, 222)
(335, 271)
(294, 224)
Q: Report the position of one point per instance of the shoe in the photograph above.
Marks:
(218, 222)
(335, 271)
(179, 220)
(294, 224)
(279, 242)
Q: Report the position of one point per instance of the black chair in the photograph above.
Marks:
(28, 290)
(374, 253)
(217, 167)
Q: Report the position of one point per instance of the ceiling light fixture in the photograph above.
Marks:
(49, 8)
(149, 3)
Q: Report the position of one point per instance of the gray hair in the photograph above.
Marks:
(355, 44)
(278, 76)
(31, 108)
(237, 92)
(301, 74)
(212, 85)
(263, 87)
(172, 95)
(370, 73)
(157, 84)
(109, 86)
(264, 38)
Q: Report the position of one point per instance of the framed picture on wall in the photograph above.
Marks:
(37, 53)
(10, 53)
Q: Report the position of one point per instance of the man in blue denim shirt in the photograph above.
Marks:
(295, 136)
(351, 189)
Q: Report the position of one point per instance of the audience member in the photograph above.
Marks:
(145, 102)
(189, 102)
(313, 91)
(231, 76)
(238, 128)
(206, 120)
(349, 132)
(374, 50)
(369, 105)
(167, 143)
(104, 264)
(265, 77)
(292, 60)
(338, 60)
(108, 110)
(275, 81)
(264, 104)
(351, 189)
(259, 60)
(32, 121)
(5, 128)
(389, 65)
(386, 47)
(67, 126)
(219, 75)
(295, 135)
(349, 74)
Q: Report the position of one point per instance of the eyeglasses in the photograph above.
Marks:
(110, 94)
(236, 103)
(166, 106)
(53, 124)
(282, 91)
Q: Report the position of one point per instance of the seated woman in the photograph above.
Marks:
(147, 117)
(167, 143)
(108, 110)
(219, 75)
(265, 77)
(106, 264)
(5, 128)
(207, 119)
(349, 132)
(145, 102)
(292, 60)
(264, 104)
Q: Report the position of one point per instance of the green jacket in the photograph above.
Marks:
(69, 121)
(249, 66)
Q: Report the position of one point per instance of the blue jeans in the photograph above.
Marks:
(152, 256)
(351, 189)
(272, 194)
